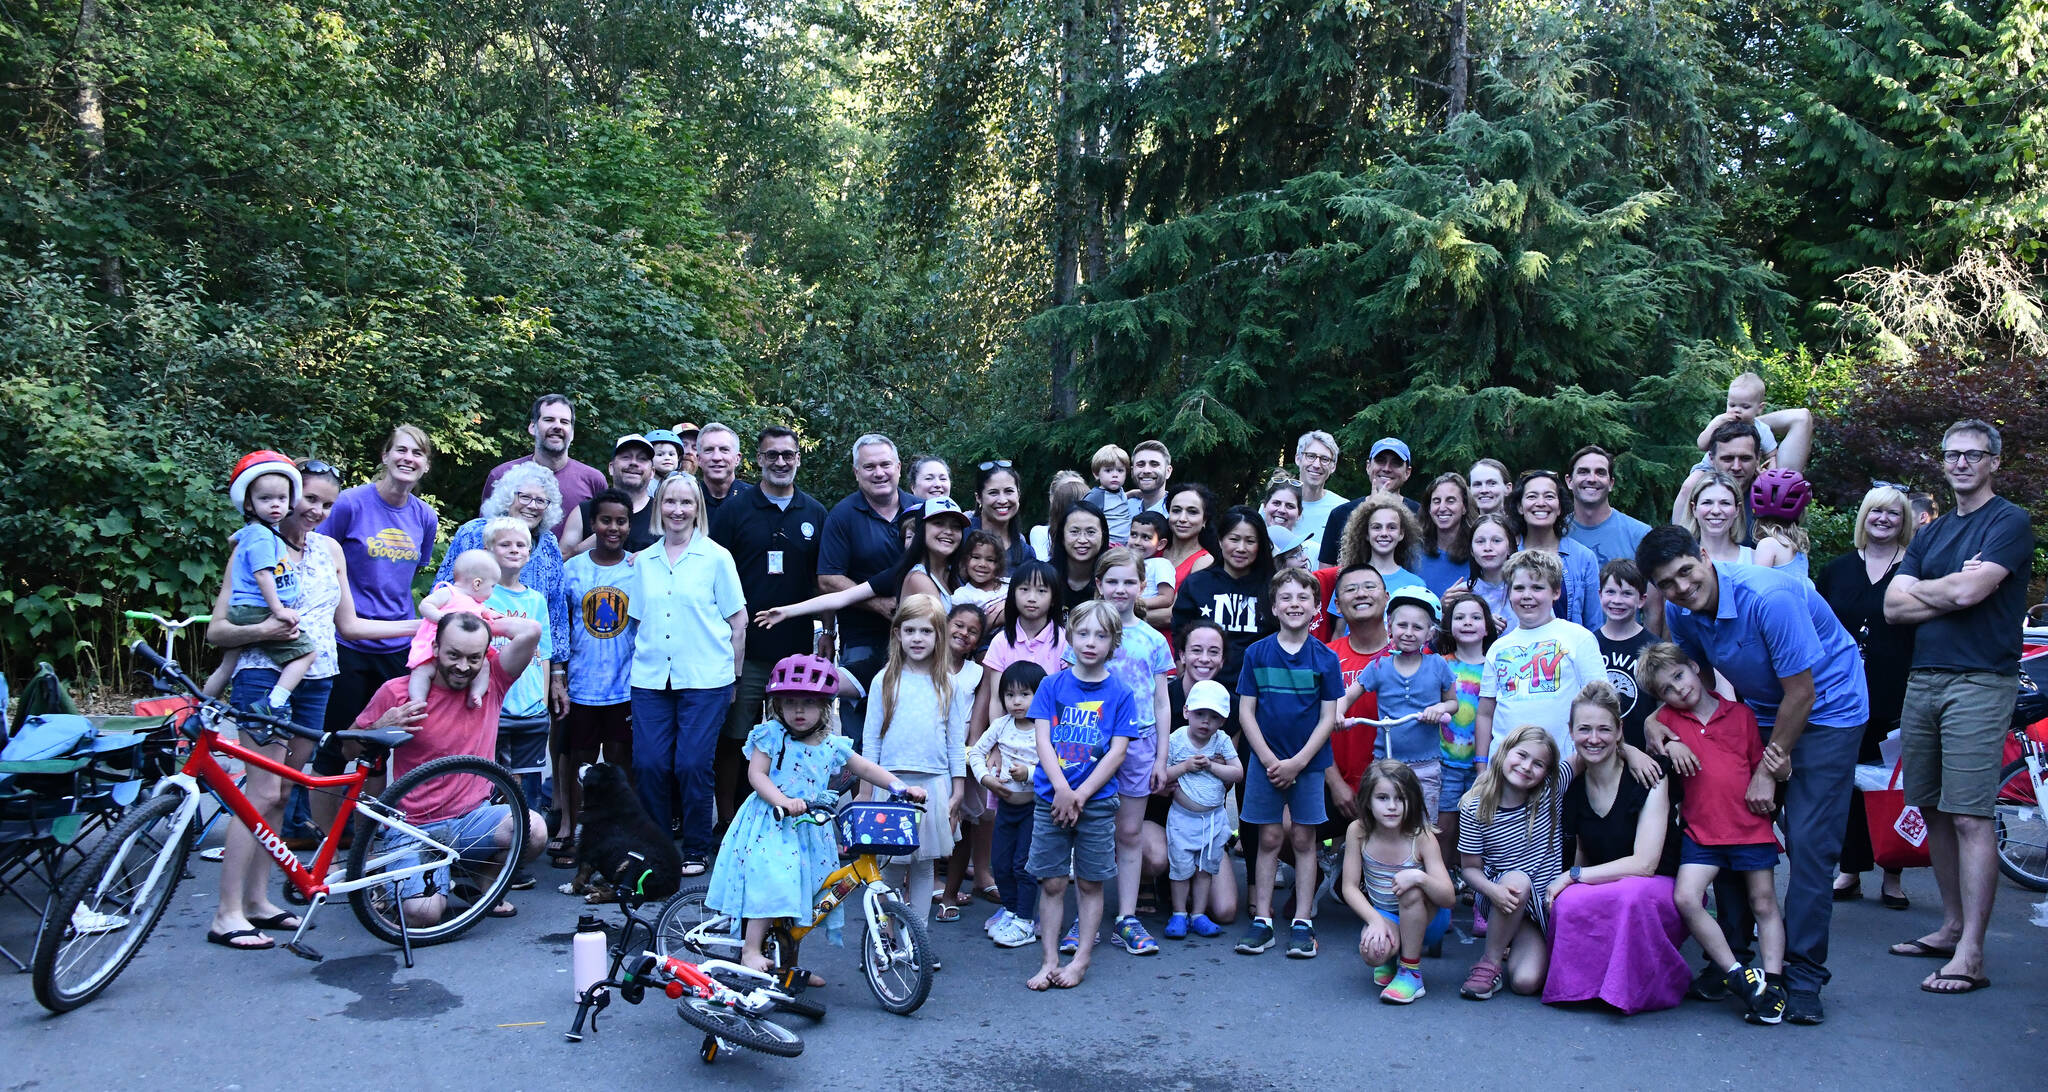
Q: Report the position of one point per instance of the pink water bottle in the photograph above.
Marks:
(586, 954)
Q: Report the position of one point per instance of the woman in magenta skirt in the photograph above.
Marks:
(1614, 930)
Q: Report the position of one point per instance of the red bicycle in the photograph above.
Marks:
(441, 830)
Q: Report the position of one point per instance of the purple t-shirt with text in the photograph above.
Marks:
(384, 547)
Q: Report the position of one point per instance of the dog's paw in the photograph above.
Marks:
(568, 889)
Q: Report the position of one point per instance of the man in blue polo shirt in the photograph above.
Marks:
(1773, 637)
(860, 541)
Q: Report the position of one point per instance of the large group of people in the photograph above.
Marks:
(1499, 691)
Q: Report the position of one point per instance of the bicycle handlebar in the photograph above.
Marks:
(170, 671)
(1354, 722)
(145, 616)
(824, 809)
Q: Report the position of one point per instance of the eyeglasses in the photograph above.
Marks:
(315, 466)
(1317, 458)
(993, 464)
(1880, 483)
(777, 456)
(530, 500)
(1971, 457)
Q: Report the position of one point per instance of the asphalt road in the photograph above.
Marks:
(490, 1011)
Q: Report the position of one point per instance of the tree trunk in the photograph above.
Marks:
(1461, 64)
(89, 120)
(1068, 206)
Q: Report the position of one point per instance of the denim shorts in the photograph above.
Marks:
(1262, 802)
(474, 836)
(1087, 849)
(1457, 782)
(1759, 857)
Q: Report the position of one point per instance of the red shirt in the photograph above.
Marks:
(451, 727)
(1352, 747)
(1730, 747)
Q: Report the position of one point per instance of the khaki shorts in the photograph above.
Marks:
(1952, 733)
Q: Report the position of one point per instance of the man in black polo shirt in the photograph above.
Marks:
(773, 533)
(862, 540)
(718, 467)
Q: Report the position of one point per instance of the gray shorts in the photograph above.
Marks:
(1086, 850)
(1194, 840)
(1952, 732)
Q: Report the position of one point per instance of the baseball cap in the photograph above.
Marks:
(1208, 694)
(660, 436)
(632, 438)
(1390, 443)
(1284, 538)
(942, 506)
(686, 430)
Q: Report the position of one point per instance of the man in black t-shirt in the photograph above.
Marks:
(1964, 581)
(632, 473)
(773, 533)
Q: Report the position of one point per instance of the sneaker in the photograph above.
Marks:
(1013, 933)
(262, 708)
(1301, 940)
(1709, 985)
(1201, 926)
(1383, 975)
(1071, 943)
(1177, 927)
(1803, 1007)
(1762, 1004)
(1404, 989)
(1130, 935)
(1258, 938)
(996, 920)
(1482, 982)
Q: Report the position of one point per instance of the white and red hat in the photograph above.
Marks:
(256, 464)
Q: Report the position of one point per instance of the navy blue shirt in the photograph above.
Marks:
(859, 545)
(775, 550)
(1770, 625)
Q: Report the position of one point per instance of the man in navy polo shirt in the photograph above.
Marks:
(772, 533)
(1778, 642)
(861, 540)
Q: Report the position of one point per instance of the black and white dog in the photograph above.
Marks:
(619, 844)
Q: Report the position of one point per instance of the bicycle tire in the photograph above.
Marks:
(2022, 835)
(374, 905)
(740, 1029)
(684, 911)
(908, 947)
(58, 947)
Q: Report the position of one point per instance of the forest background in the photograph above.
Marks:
(989, 228)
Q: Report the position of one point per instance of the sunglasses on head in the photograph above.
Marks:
(993, 464)
(315, 466)
(1880, 483)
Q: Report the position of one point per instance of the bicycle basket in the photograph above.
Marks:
(885, 830)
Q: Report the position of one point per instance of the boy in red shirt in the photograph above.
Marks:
(1716, 747)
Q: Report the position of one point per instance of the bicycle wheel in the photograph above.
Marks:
(899, 967)
(104, 910)
(681, 927)
(483, 798)
(2022, 833)
(740, 1029)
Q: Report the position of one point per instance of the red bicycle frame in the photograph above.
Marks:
(209, 772)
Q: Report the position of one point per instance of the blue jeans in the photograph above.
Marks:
(1012, 857)
(309, 710)
(675, 738)
(1814, 816)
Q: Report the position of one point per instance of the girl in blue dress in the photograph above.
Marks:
(769, 867)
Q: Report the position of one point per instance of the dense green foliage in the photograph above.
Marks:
(988, 228)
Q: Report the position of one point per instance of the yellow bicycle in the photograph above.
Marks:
(895, 954)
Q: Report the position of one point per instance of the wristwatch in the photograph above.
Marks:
(1575, 874)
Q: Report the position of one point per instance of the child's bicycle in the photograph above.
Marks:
(729, 1003)
(895, 954)
(2020, 810)
(107, 907)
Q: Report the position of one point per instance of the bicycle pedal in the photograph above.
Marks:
(304, 951)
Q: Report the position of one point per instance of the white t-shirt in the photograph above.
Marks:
(1532, 675)
(1158, 574)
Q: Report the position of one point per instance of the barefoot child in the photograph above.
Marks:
(1002, 762)
(263, 580)
(1202, 765)
(770, 866)
(1411, 680)
(1084, 721)
(1142, 662)
(1718, 752)
(1287, 702)
(1395, 880)
(475, 578)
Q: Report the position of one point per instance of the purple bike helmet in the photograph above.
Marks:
(804, 674)
(1780, 495)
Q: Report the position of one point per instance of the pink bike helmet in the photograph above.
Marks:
(804, 674)
(1780, 495)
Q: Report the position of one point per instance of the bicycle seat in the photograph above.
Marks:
(376, 737)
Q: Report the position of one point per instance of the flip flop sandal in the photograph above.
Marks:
(1973, 983)
(228, 939)
(992, 894)
(945, 912)
(694, 866)
(283, 919)
(502, 910)
(1918, 949)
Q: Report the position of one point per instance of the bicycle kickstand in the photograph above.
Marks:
(404, 934)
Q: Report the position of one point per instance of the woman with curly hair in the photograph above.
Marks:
(1383, 533)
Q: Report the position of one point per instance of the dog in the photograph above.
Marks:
(621, 855)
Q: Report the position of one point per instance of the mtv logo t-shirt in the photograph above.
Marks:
(1533, 674)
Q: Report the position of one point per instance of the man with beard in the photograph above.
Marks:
(1151, 469)
(632, 470)
(553, 428)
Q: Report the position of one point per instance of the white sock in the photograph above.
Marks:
(279, 696)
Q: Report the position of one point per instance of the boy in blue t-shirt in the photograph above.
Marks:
(593, 680)
(262, 578)
(511, 542)
(1288, 693)
(1084, 720)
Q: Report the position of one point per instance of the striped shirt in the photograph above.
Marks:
(1508, 844)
